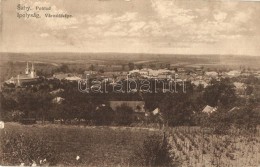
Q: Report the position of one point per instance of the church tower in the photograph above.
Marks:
(33, 73)
(27, 69)
(18, 80)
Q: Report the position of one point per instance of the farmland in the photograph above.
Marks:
(199, 147)
(96, 146)
(111, 146)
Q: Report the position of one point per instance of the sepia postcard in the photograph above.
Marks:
(107, 83)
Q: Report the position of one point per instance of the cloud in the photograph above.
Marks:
(171, 23)
(136, 26)
(50, 23)
(242, 17)
(105, 19)
(44, 35)
(102, 19)
(126, 17)
(167, 9)
(112, 25)
(200, 24)
(220, 16)
(117, 27)
(62, 29)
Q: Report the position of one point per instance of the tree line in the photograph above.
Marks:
(176, 109)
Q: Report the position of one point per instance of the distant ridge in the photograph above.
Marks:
(125, 58)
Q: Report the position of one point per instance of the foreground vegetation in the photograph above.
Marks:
(200, 147)
(67, 145)
(60, 145)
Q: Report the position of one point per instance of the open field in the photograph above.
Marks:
(113, 146)
(96, 146)
(120, 58)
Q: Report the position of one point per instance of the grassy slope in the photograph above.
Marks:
(96, 146)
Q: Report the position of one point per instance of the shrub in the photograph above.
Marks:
(103, 116)
(220, 122)
(155, 151)
(15, 115)
(124, 115)
(244, 119)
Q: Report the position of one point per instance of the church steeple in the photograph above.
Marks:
(27, 69)
(18, 80)
(33, 73)
(32, 67)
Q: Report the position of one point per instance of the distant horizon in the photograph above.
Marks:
(176, 54)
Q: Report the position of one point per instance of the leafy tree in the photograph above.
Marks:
(168, 66)
(246, 118)
(252, 80)
(200, 88)
(220, 93)
(124, 115)
(177, 109)
(140, 66)
(28, 103)
(131, 66)
(63, 68)
(44, 101)
(101, 71)
(104, 115)
(249, 90)
(152, 66)
(92, 67)
(155, 151)
(220, 121)
(8, 105)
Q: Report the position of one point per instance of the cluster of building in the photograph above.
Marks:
(197, 76)
(29, 76)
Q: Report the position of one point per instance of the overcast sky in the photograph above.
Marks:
(147, 26)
